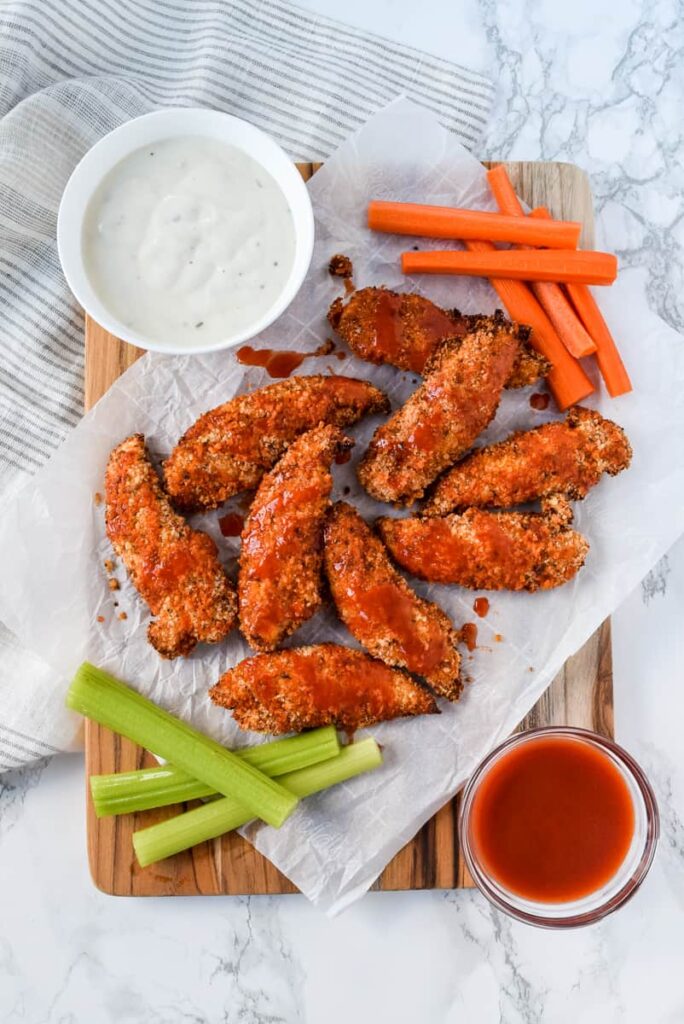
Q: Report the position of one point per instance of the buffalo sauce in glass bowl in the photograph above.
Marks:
(558, 826)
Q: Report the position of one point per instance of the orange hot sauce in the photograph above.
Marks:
(281, 363)
(231, 524)
(277, 363)
(552, 820)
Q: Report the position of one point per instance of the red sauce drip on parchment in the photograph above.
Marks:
(539, 401)
(231, 524)
(468, 635)
(481, 606)
(277, 362)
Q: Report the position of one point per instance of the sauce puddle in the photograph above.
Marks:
(481, 606)
(468, 635)
(552, 820)
(539, 401)
(281, 363)
(231, 524)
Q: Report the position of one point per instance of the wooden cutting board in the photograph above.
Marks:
(580, 695)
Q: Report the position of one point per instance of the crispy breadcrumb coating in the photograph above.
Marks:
(306, 687)
(490, 550)
(381, 610)
(404, 329)
(230, 448)
(557, 458)
(437, 425)
(174, 568)
(340, 266)
(279, 582)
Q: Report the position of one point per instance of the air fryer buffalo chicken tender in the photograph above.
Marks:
(282, 440)
(490, 550)
(229, 448)
(279, 582)
(306, 687)
(405, 329)
(437, 425)
(174, 568)
(381, 610)
(566, 458)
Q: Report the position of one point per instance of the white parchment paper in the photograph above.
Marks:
(53, 544)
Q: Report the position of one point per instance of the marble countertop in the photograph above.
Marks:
(594, 82)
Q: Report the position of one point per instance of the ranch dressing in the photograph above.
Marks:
(188, 239)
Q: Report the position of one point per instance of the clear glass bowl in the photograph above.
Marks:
(621, 886)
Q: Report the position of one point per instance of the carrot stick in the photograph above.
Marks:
(519, 265)
(551, 296)
(567, 380)
(610, 364)
(503, 192)
(562, 315)
(608, 358)
(445, 222)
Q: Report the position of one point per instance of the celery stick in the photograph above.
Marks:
(99, 696)
(124, 792)
(213, 819)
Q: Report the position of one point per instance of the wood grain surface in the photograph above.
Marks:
(580, 695)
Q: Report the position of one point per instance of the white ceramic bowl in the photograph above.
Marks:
(165, 124)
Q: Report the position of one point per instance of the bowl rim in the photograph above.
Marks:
(134, 134)
(583, 917)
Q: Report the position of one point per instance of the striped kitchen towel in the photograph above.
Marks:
(70, 73)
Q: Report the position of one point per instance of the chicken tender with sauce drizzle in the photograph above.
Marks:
(437, 425)
(485, 550)
(281, 562)
(404, 330)
(174, 568)
(565, 458)
(229, 448)
(305, 687)
(381, 610)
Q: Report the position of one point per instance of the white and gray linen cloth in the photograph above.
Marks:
(69, 73)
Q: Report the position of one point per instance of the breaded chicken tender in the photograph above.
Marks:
(326, 684)
(174, 568)
(437, 425)
(381, 610)
(404, 329)
(279, 581)
(490, 550)
(565, 458)
(231, 447)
